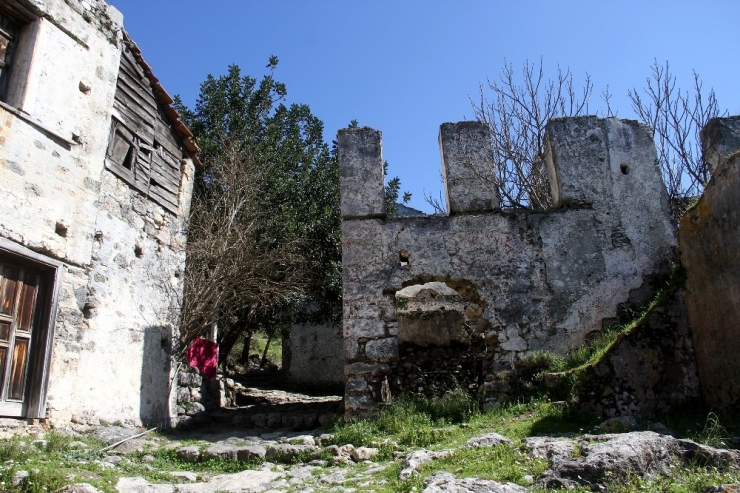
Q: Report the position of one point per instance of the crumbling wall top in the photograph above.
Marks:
(720, 138)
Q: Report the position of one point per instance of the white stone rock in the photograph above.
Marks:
(363, 453)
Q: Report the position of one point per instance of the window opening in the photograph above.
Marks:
(8, 39)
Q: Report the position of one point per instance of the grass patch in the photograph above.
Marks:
(168, 460)
(259, 341)
(501, 463)
(408, 424)
(682, 479)
(710, 429)
(410, 421)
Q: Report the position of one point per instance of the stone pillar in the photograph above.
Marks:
(362, 192)
(466, 160)
(577, 160)
(720, 138)
(611, 166)
(605, 163)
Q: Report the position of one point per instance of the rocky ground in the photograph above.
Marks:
(221, 458)
(303, 462)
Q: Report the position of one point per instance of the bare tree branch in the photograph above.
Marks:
(676, 118)
(517, 115)
(233, 268)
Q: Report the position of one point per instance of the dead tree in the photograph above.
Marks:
(234, 267)
(517, 115)
(676, 118)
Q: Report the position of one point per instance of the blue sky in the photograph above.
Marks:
(406, 66)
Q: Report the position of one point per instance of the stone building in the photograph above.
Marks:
(435, 302)
(96, 174)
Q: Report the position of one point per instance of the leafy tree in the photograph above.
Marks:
(290, 211)
(392, 191)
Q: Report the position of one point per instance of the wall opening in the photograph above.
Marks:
(440, 338)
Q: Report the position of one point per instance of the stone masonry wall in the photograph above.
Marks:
(501, 284)
(310, 357)
(647, 372)
(709, 240)
(123, 255)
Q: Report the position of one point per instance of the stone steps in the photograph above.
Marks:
(290, 416)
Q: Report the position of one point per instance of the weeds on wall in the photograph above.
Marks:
(547, 374)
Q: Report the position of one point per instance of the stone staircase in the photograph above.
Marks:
(254, 402)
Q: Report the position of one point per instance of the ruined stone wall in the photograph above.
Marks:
(310, 357)
(709, 241)
(433, 302)
(648, 371)
(122, 254)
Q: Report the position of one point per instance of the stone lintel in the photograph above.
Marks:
(720, 138)
(362, 192)
(466, 160)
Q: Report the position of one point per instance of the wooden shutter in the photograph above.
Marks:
(143, 150)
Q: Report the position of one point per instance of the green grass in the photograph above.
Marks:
(398, 423)
(406, 425)
(59, 464)
(259, 341)
(410, 421)
(501, 463)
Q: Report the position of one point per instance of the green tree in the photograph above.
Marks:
(291, 210)
(392, 191)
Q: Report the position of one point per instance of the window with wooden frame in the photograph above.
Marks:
(9, 29)
(129, 156)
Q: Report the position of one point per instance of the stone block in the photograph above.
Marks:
(259, 421)
(287, 453)
(183, 395)
(577, 159)
(189, 454)
(351, 349)
(364, 327)
(361, 173)
(365, 368)
(274, 420)
(720, 138)
(382, 349)
(356, 385)
(358, 402)
(605, 163)
(328, 418)
(466, 159)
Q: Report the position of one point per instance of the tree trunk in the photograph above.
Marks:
(264, 354)
(226, 342)
(244, 360)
